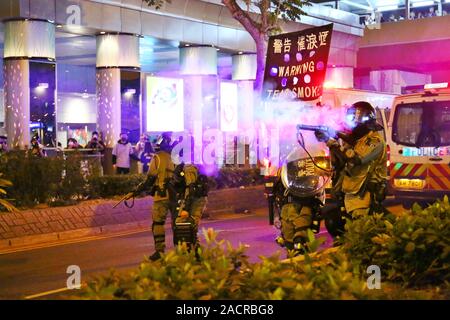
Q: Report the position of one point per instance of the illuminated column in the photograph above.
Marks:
(197, 64)
(25, 40)
(115, 52)
(244, 71)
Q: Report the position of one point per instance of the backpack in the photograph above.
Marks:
(196, 183)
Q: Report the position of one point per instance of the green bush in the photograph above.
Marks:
(412, 248)
(46, 180)
(223, 272)
(65, 179)
(220, 272)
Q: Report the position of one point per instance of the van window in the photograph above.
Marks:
(425, 124)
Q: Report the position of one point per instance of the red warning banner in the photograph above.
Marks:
(296, 64)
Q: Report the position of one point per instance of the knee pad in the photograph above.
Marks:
(157, 223)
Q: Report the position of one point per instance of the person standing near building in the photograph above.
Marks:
(121, 154)
(3, 144)
(72, 143)
(95, 143)
(37, 149)
(143, 152)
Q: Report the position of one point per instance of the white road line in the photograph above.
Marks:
(46, 293)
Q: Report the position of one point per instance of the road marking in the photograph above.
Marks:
(46, 293)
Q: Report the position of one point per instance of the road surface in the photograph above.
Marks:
(37, 273)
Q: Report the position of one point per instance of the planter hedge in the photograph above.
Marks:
(65, 179)
(220, 271)
(45, 180)
(412, 248)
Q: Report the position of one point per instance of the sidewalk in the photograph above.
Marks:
(97, 218)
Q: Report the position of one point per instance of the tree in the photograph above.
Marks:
(261, 26)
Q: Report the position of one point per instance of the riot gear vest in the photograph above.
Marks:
(162, 167)
(374, 171)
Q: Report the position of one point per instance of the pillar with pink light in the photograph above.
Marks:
(117, 63)
(198, 66)
(29, 80)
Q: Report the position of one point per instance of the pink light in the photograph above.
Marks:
(329, 84)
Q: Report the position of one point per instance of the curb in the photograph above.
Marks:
(66, 237)
(50, 226)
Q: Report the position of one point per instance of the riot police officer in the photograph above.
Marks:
(362, 153)
(300, 193)
(160, 170)
(188, 191)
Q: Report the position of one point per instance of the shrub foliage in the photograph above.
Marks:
(46, 180)
(412, 247)
(220, 271)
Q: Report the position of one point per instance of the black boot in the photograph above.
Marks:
(155, 256)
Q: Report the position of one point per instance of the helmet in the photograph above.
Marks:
(163, 142)
(360, 112)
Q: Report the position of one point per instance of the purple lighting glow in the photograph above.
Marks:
(273, 71)
(320, 65)
(287, 57)
(284, 82)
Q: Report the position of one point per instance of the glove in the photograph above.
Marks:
(321, 136)
(355, 160)
(352, 157)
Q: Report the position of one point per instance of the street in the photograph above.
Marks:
(37, 273)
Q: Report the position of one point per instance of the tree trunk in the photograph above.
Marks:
(257, 32)
(261, 50)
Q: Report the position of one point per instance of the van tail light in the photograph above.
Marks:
(388, 154)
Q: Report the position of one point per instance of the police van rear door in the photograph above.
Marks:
(420, 144)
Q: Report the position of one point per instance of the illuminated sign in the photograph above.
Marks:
(426, 152)
(296, 64)
(228, 107)
(165, 109)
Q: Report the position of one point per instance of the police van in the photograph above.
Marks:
(419, 143)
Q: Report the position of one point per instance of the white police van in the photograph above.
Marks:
(419, 143)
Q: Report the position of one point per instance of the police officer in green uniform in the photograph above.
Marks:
(160, 170)
(362, 180)
(188, 191)
(300, 193)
